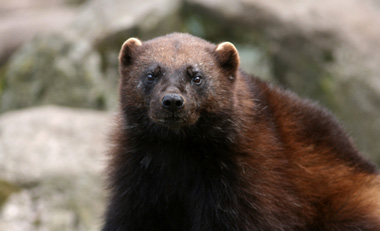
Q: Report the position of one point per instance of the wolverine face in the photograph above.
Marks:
(174, 81)
(175, 95)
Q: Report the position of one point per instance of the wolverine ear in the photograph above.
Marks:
(228, 57)
(127, 51)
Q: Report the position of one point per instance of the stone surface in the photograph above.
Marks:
(54, 70)
(55, 156)
(21, 20)
(77, 66)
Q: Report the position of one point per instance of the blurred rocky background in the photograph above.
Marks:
(64, 53)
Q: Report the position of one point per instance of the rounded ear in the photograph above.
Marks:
(228, 57)
(127, 51)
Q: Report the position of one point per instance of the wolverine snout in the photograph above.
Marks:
(172, 102)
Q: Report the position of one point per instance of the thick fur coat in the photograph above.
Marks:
(200, 146)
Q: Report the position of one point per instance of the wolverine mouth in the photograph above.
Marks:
(172, 121)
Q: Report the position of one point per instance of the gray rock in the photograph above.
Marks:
(78, 65)
(55, 157)
(21, 20)
(54, 70)
(112, 20)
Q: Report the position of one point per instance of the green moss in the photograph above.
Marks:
(3, 70)
(328, 56)
(215, 28)
(328, 88)
(75, 2)
(100, 102)
(7, 189)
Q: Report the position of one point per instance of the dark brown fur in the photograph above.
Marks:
(239, 154)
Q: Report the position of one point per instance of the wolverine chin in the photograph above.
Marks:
(173, 122)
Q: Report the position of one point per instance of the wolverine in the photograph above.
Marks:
(199, 145)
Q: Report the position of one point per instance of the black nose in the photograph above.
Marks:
(172, 102)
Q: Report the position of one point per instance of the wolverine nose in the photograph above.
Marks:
(172, 102)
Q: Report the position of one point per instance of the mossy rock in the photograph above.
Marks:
(53, 70)
(7, 189)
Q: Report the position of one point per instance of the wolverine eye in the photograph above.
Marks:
(197, 80)
(151, 78)
(153, 74)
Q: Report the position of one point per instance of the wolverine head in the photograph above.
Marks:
(176, 79)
